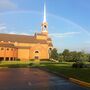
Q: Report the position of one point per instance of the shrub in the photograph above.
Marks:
(78, 65)
(18, 59)
(44, 60)
(88, 65)
(31, 60)
(30, 64)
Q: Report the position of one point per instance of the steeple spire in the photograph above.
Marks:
(44, 20)
(44, 25)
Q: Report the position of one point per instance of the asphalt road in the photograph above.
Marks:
(33, 79)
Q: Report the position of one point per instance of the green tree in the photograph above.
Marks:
(66, 55)
(88, 57)
(73, 56)
(54, 54)
(81, 56)
(60, 57)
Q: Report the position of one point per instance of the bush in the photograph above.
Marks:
(18, 59)
(88, 65)
(30, 64)
(78, 65)
(31, 60)
(44, 60)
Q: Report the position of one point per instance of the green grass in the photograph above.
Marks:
(18, 64)
(14, 64)
(67, 70)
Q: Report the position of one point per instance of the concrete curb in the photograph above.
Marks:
(76, 81)
(81, 83)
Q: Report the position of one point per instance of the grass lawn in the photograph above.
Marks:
(13, 64)
(18, 64)
(66, 69)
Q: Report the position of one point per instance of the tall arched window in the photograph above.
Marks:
(7, 49)
(2, 48)
(36, 51)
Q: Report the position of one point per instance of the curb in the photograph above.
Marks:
(81, 83)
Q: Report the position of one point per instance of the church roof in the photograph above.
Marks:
(50, 44)
(41, 34)
(49, 39)
(6, 45)
(20, 38)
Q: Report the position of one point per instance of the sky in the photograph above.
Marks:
(68, 21)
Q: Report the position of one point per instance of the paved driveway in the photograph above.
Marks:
(33, 79)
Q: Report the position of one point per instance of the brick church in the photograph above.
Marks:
(25, 47)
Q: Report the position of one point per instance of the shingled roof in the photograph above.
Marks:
(6, 45)
(20, 38)
(50, 44)
(40, 34)
(49, 39)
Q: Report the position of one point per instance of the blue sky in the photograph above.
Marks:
(69, 20)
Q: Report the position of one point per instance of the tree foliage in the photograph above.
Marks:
(60, 57)
(69, 56)
(75, 56)
(66, 55)
(54, 54)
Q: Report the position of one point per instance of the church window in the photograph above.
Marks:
(36, 51)
(2, 48)
(50, 48)
(7, 48)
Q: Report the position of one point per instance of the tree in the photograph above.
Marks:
(88, 57)
(82, 56)
(54, 54)
(66, 55)
(60, 57)
(73, 56)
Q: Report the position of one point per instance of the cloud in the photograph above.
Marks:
(2, 28)
(7, 5)
(67, 34)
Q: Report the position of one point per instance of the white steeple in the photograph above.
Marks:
(44, 20)
(44, 25)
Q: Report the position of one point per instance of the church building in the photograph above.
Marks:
(25, 47)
